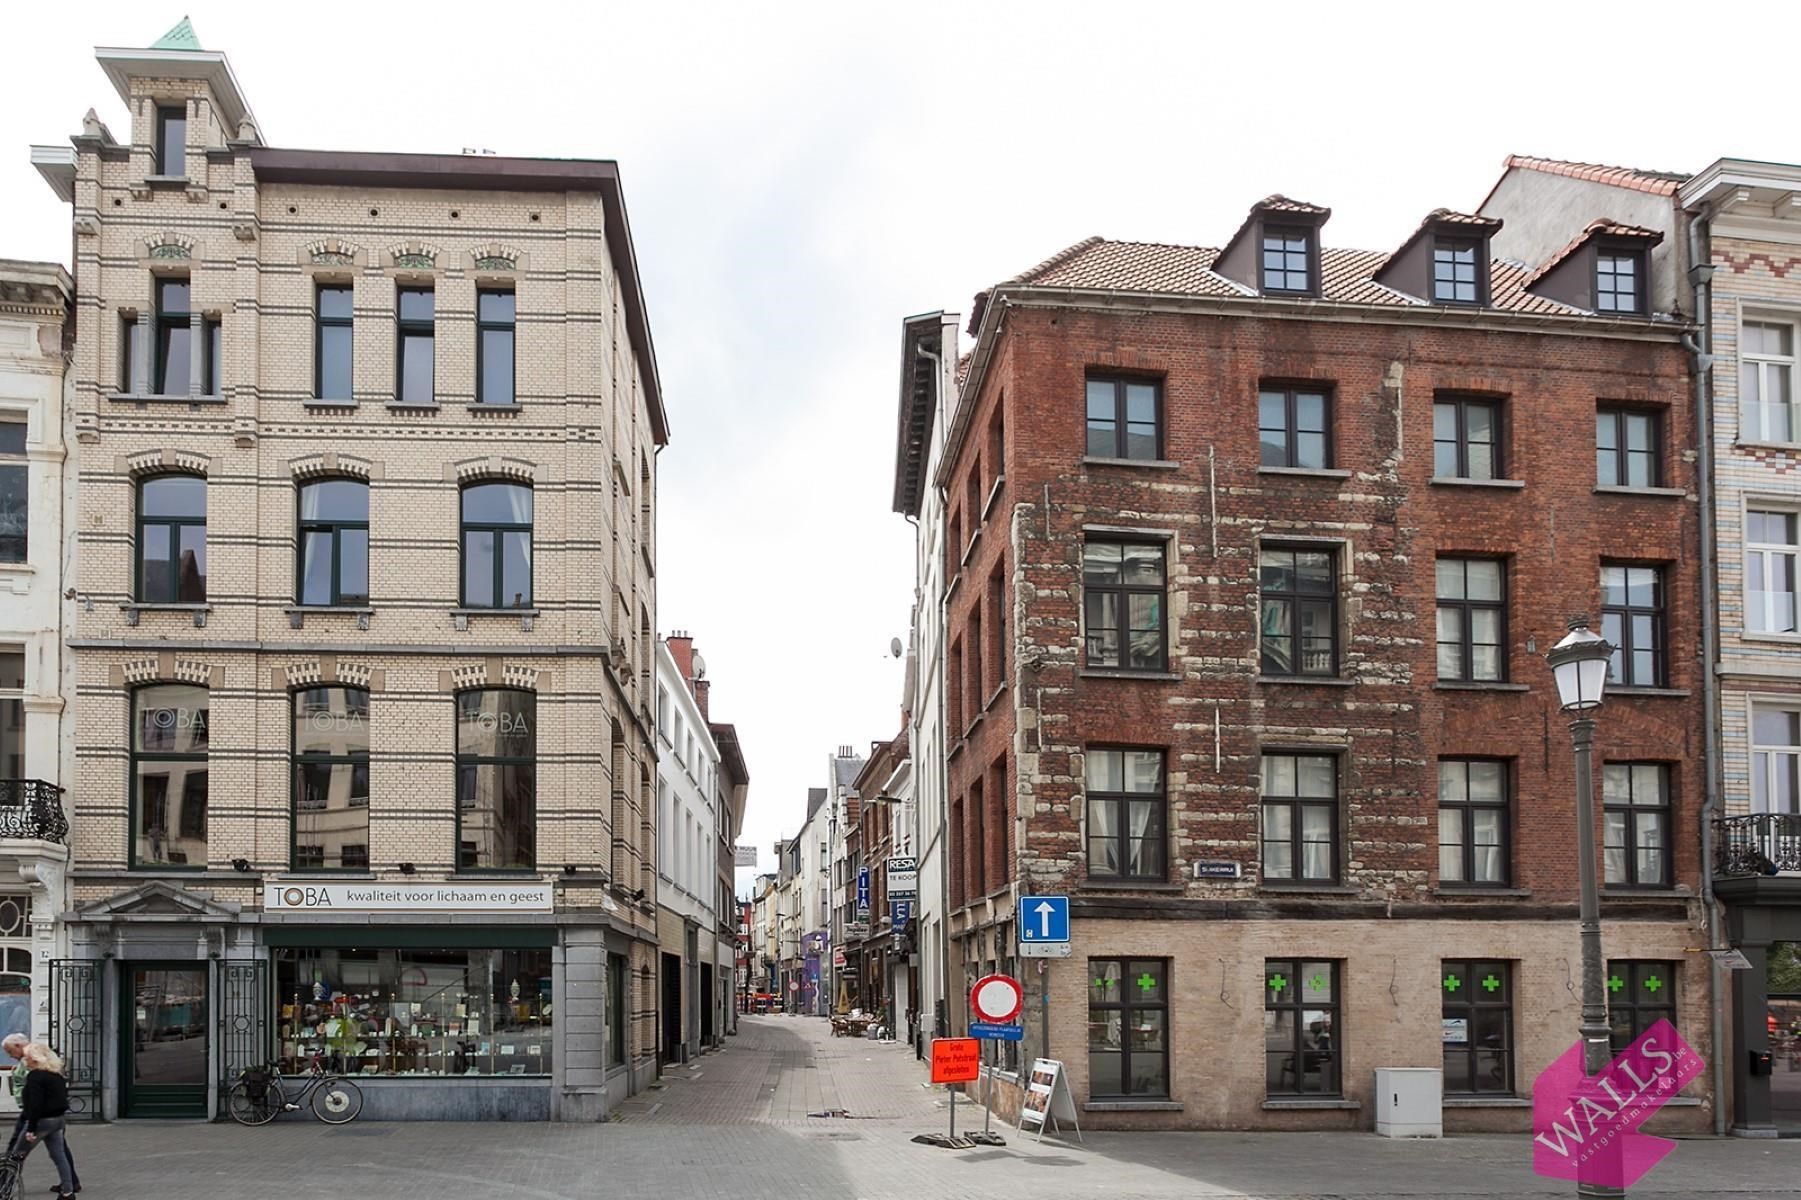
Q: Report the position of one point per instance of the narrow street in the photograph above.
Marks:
(736, 1125)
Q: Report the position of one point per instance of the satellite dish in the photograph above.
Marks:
(700, 667)
(894, 647)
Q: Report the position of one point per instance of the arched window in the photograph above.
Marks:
(331, 779)
(168, 776)
(334, 543)
(497, 546)
(172, 540)
(497, 788)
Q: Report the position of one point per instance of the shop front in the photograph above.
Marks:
(446, 1001)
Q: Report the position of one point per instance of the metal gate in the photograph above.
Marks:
(244, 1018)
(75, 1019)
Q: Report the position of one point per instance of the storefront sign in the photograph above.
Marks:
(837, 958)
(745, 856)
(903, 878)
(525, 896)
(1454, 1031)
(1731, 960)
(1048, 1100)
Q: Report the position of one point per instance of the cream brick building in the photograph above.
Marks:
(366, 593)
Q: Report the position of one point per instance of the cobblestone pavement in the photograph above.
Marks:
(734, 1127)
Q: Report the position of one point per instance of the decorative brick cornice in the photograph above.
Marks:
(141, 670)
(519, 675)
(156, 462)
(315, 466)
(494, 466)
(192, 670)
(310, 673)
(168, 245)
(333, 252)
(470, 675)
(1738, 264)
(413, 256)
(494, 258)
(355, 675)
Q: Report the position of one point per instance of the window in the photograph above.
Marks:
(168, 776)
(1128, 1027)
(1126, 814)
(1775, 759)
(172, 540)
(416, 1012)
(1472, 619)
(15, 490)
(417, 337)
(1287, 259)
(1122, 600)
(1632, 619)
(1472, 821)
(331, 779)
(1639, 995)
(212, 382)
(1300, 611)
(1291, 426)
(1626, 448)
(1772, 565)
(1455, 266)
(333, 337)
(334, 542)
(174, 337)
(1125, 418)
(1300, 817)
(1619, 280)
(497, 767)
(1635, 801)
(172, 140)
(1767, 405)
(12, 715)
(494, 348)
(1478, 1027)
(497, 546)
(997, 603)
(1466, 438)
(1303, 1047)
(616, 985)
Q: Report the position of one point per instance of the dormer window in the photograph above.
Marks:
(1456, 275)
(1288, 258)
(172, 140)
(1619, 279)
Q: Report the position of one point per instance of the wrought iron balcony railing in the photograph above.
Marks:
(1757, 844)
(32, 808)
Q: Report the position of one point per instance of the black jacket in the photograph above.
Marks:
(46, 1095)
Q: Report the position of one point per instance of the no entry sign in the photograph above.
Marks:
(997, 999)
(956, 1060)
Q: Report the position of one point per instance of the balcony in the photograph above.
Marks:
(32, 809)
(1757, 844)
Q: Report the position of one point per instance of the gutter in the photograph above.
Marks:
(1700, 348)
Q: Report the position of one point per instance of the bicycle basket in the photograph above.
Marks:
(256, 1083)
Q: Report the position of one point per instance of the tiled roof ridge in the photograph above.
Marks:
(1658, 183)
(1057, 259)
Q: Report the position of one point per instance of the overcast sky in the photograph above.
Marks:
(801, 178)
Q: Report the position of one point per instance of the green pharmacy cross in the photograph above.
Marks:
(1146, 983)
(1452, 983)
(1277, 982)
(1652, 984)
(1491, 983)
(1317, 983)
(1615, 983)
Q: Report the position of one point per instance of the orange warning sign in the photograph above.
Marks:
(956, 1060)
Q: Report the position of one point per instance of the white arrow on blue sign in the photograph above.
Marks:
(1044, 918)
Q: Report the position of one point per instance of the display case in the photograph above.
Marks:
(415, 1012)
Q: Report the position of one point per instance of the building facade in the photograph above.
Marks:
(370, 446)
(731, 787)
(37, 477)
(1253, 555)
(687, 857)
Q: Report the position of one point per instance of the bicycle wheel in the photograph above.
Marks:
(9, 1177)
(337, 1101)
(246, 1110)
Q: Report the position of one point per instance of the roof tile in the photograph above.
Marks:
(1658, 183)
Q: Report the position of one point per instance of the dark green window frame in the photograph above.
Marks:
(1305, 991)
(329, 313)
(487, 322)
(499, 530)
(414, 330)
(174, 526)
(333, 530)
(1639, 994)
(299, 761)
(1486, 1013)
(172, 119)
(469, 767)
(1117, 985)
(136, 755)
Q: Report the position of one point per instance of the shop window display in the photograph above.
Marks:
(415, 1012)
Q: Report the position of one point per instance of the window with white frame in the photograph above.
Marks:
(15, 489)
(1767, 407)
(1772, 566)
(12, 713)
(1775, 759)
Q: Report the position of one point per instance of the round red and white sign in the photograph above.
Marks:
(997, 999)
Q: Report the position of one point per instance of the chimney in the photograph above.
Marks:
(847, 752)
(701, 688)
(681, 649)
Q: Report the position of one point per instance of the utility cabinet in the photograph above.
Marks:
(1410, 1102)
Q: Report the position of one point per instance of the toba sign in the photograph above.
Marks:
(526, 896)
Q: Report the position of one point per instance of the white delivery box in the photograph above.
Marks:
(1410, 1102)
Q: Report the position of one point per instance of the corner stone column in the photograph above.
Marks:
(145, 332)
(581, 1027)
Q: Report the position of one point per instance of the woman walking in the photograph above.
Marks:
(42, 1107)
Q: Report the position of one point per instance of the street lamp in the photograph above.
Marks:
(1579, 664)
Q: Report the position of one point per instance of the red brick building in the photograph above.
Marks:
(1255, 554)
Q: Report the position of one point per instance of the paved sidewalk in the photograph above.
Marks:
(733, 1127)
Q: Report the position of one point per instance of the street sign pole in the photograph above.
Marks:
(952, 1089)
(988, 1092)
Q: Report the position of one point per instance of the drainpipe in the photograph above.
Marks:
(1702, 360)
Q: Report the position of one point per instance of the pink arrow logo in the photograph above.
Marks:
(1587, 1129)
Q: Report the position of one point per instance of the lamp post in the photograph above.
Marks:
(1579, 664)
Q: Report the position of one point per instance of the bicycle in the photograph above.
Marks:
(259, 1097)
(11, 1164)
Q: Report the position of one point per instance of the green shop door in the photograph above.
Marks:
(163, 1040)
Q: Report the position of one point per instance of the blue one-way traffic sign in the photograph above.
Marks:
(1043, 919)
